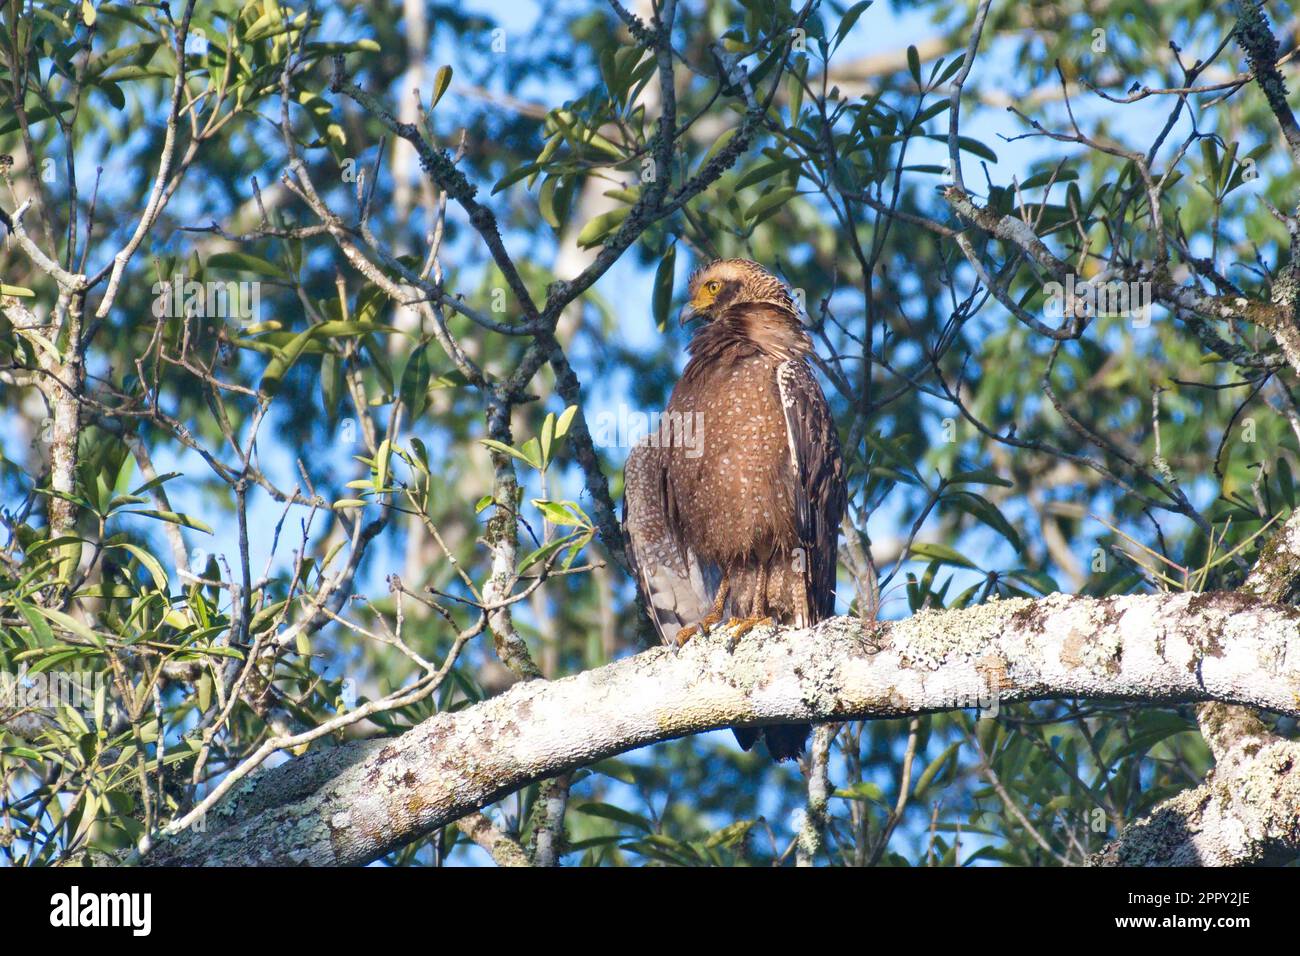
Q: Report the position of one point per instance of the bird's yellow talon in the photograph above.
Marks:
(706, 624)
(739, 627)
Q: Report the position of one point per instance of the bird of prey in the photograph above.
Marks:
(732, 506)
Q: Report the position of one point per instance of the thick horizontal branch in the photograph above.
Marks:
(1161, 649)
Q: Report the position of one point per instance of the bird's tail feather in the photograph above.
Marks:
(784, 741)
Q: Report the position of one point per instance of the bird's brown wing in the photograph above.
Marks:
(818, 480)
(673, 583)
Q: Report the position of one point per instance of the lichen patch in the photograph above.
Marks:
(930, 638)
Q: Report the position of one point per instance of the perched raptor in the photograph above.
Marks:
(733, 504)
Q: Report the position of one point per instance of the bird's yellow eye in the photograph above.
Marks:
(713, 287)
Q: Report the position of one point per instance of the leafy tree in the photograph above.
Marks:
(325, 334)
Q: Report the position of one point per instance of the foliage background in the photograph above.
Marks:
(950, 514)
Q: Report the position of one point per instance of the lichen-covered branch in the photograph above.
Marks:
(1246, 812)
(1248, 809)
(812, 832)
(1160, 649)
(504, 849)
(548, 816)
(1257, 40)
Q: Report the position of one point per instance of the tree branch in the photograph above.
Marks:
(1158, 649)
(1246, 810)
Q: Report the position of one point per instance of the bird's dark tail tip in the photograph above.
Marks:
(784, 741)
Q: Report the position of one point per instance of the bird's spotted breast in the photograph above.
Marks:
(738, 465)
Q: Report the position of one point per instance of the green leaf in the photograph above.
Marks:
(441, 80)
(151, 564)
(421, 454)
(1150, 729)
(730, 836)
(770, 202)
(580, 135)
(381, 464)
(1210, 156)
(320, 111)
(952, 69)
(1043, 178)
(931, 111)
(513, 452)
(565, 419)
(415, 382)
(558, 512)
(984, 510)
(243, 262)
(607, 811)
(40, 547)
(512, 177)
(547, 436)
(114, 93)
(70, 623)
(936, 765)
(25, 753)
(331, 384)
(595, 231)
(213, 650)
(914, 64)
(941, 552)
(848, 20)
(981, 476)
(41, 632)
(862, 790)
(973, 146)
(154, 482)
(795, 87)
(580, 541)
(663, 288)
(173, 518)
(283, 358)
(1040, 581)
(1286, 482)
(543, 554)
(718, 146)
(37, 113)
(266, 614)
(765, 171)
(205, 687)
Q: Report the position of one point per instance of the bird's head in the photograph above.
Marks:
(723, 283)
